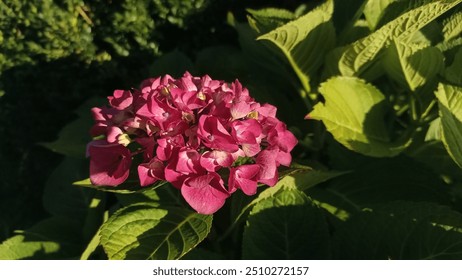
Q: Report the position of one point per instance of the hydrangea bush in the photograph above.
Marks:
(206, 137)
(370, 169)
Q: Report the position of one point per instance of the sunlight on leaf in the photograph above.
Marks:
(354, 113)
(143, 231)
(359, 55)
(450, 104)
(299, 41)
(413, 65)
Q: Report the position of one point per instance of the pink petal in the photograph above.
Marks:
(214, 160)
(151, 172)
(109, 163)
(205, 194)
(268, 174)
(244, 177)
(121, 99)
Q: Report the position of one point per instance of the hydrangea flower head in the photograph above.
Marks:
(192, 132)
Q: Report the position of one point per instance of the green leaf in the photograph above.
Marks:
(127, 187)
(286, 226)
(74, 137)
(267, 19)
(302, 179)
(299, 41)
(381, 181)
(354, 113)
(452, 72)
(412, 65)
(450, 105)
(61, 198)
(54, 238)
(452, 26)
(361, 54)
(401, 230)
(374, 10)
(142, 231)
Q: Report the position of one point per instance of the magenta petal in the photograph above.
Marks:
(205, 194)
(215, 135)
(268, 174)
(188, 161)
(214, 160)
(151, 172)
(244, 177)
(109, 163)
(121, 99)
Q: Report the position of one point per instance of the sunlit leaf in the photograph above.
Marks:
(413, 65)
(54, 238)
(360, 55)
(301, 179)
(143, 231)
(452, 26)
(354, 113)
(450, 104)
(374, 10)
(299, 41)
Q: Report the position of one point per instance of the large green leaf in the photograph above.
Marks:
(401, 230)
(286, 226)
(299, 41)
(267, 19)
(450, 104)
(452, 26)
(413, 65)
(143, 231)
(354, 113)
(452, 73)
(301, 179)
(54, 238)
(380, 181)
(361, 54)
(374, 10)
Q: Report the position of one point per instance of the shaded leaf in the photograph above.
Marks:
(286, 226)
(401, 230)
(450, 104)
(74, 137)
(267, 19)
(354, 113)
(143, 231)
(452, 72)
(61, 198)
(380, 181)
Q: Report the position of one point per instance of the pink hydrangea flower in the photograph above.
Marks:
(195, 133)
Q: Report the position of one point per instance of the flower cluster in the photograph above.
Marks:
(192, 132)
